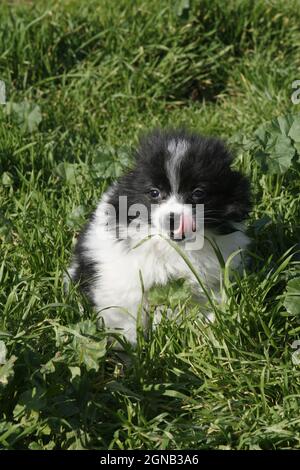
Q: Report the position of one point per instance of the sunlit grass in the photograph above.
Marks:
(102, 72)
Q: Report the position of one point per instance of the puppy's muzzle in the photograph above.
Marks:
(178, 225)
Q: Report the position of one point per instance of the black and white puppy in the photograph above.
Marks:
(175, 173)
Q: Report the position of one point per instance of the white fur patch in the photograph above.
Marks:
(172, 204)
(118, 292)
(177, 149)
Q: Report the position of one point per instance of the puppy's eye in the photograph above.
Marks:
(198, 194)
(154, 193)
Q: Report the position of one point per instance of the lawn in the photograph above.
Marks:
(83, 80)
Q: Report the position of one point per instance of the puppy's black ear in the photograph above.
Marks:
(221, 151)
(239, 204)
(211, 153)
(151, 145)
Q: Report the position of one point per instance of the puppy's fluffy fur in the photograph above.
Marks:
(171, 169)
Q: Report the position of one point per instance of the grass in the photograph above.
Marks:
(94, 75)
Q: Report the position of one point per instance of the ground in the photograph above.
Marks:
(83, 79)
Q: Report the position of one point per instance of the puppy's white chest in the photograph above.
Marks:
(157, 262)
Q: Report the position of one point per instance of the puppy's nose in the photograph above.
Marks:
(174, 221)
(173, 225)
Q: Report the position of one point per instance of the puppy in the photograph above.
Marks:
(181, 192)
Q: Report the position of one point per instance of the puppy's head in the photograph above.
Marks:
(176, 171)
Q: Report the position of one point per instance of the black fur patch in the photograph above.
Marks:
(206, 165)
(86, 269)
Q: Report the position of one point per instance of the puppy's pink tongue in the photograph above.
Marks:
(186, 225)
